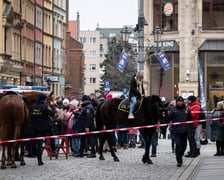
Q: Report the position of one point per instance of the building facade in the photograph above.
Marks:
(192, 35)
(33, 43)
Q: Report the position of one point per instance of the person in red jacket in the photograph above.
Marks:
(194, 106)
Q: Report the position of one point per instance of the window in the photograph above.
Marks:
(92, 80)
(166, 14)
(92, 40)
(213, 12)
(92, 67)
(83, 40)
(92, 54)
(101, 55)
(101, 48)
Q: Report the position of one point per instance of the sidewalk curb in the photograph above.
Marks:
(190, 169)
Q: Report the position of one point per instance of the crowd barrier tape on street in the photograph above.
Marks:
(106, 131)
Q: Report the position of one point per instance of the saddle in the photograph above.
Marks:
(125, 105)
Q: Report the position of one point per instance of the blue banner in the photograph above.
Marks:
(123, 60)
(164, 60)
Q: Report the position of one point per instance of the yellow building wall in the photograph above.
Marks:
(48, 4)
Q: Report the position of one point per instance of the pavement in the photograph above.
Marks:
(206, 166)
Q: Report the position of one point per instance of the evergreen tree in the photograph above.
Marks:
(117, 79)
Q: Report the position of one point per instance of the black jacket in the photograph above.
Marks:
(180, 114)
(40, 119)
(85, 119)
(133, 88)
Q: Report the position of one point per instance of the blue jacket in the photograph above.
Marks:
(180, 114)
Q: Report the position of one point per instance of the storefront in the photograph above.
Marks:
(158, 81)
(212, 58)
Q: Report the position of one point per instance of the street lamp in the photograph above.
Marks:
(157, 33)
(125, 35)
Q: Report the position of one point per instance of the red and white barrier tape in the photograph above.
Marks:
(105, 131)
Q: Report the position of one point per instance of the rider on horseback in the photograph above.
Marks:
(136, 91)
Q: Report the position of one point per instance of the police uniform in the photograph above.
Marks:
(86, 121)
(40, 123)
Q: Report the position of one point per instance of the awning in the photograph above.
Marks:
(212, 45)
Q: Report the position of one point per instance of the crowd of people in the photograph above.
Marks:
(69, 115)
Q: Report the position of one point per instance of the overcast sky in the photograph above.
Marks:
(108, 13)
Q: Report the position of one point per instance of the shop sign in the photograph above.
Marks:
(168, 9)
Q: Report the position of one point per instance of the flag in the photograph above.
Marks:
(164, 60)
(122, 61)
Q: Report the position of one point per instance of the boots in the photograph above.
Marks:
(39, 159)
(131, 116)
(198, 152)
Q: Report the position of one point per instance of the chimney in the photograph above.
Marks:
(77, 27)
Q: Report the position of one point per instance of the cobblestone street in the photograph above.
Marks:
(130, 167)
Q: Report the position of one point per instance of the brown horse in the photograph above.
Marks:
(15, 127)
(32, 97)
(108, 116)
(13, 120)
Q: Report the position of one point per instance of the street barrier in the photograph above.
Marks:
(106, 131)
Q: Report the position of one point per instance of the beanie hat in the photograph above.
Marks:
(41, 97)
(192, 98)
(220, 103)
(179, 98)
(65, 101)
(85, 98)
(109, 96)
(74, 102)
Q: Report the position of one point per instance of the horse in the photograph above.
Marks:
(13, 120)
(19, 123)
(108, 116)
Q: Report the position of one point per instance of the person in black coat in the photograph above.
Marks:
(136, 91)
(40, 122)
(85, 123)
(180, 113)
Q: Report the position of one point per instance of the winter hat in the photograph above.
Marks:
(220, 103)
(74, 102)
(65, 101)
(85, 98)
(109, 96)
(41, 97)
(192, 98)
(179, 98)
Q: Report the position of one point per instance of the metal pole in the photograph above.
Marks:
(141, 23)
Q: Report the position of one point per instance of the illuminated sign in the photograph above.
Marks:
(168, 9)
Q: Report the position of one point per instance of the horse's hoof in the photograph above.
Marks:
(13, 166)
(101, 158)
(22, 163)
(116, 159)
(3, 167)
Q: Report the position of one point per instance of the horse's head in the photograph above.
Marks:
(50, 99)
(151, 105)
(163, 112)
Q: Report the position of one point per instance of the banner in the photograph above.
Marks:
(201, 84)
(164, 60)
(122, 61)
